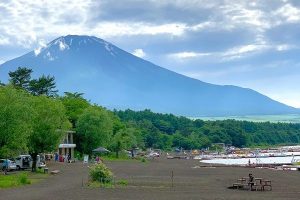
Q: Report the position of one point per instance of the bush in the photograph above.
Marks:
(122, 182)
(99, 172)
(23, 179)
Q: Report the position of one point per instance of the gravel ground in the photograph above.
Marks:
(152, 180)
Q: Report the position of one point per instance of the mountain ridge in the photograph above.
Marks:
(117, 79)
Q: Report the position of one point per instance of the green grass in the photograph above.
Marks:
(14, 180)
(96, 184)
(19, 179)
(122, 182)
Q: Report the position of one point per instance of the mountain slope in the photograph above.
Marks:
(114, 78)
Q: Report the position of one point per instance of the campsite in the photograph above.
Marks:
(152, 180)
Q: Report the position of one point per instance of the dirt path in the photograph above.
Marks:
(152, 180)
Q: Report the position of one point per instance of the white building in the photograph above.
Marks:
(67, 145)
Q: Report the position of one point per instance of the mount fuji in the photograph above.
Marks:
(114, 78)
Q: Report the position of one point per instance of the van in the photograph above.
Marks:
(25, 162)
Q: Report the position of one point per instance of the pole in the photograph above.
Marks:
(172, 177)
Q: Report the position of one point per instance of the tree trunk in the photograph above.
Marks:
(34, 158)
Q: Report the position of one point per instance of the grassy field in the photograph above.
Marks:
(293, 118)
(15, 179)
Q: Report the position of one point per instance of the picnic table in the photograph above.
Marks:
(258, 184)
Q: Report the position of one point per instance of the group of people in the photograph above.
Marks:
(62, 158)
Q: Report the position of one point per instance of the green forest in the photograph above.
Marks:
(33, 118)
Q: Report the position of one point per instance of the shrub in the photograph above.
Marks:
(122, 182)
(23, 179)
(99, 172)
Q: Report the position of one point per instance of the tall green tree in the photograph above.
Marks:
(45, 85)
(49, 126)
(16, 113)
(94, 128)
(124, 139)
(75, 104)
(20, 78)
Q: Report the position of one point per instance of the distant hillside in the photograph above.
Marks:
(115, 78)
(292, 118)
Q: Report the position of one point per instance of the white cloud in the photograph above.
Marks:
(41, 45)
(139, 53)
(227, 55)
(188, 54)
(241, 51)
(37, 51)
(289, 13)
(237, 52)
(24, 22)
(4, 41)
(285, 47)
(110, 29)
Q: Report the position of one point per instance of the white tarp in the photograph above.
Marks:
(245, 161)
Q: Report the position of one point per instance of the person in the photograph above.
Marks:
(69, 157)
(66, 158)
(251, 181)
(5, 166)
(100, 160)
(56, 157)
(97, 159)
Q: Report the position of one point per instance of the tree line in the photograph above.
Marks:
(34, 118)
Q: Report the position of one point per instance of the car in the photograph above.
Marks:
(153, 154)
(25, 162)
(11, 164)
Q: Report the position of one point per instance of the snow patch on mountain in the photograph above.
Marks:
(63, 46)
(49, 56)
(109, 47)
(37, 51)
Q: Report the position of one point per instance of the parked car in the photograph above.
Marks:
(11, 164)
(25, 162)
(153, 154)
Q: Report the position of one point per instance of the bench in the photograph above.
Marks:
(266, 183)
(258, 184)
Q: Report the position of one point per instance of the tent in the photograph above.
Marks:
(100, 150)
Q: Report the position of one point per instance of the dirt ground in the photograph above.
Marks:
(152, 180)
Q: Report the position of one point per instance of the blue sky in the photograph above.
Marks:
(253, 44)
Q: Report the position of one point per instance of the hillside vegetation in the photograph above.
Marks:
(33, 118)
